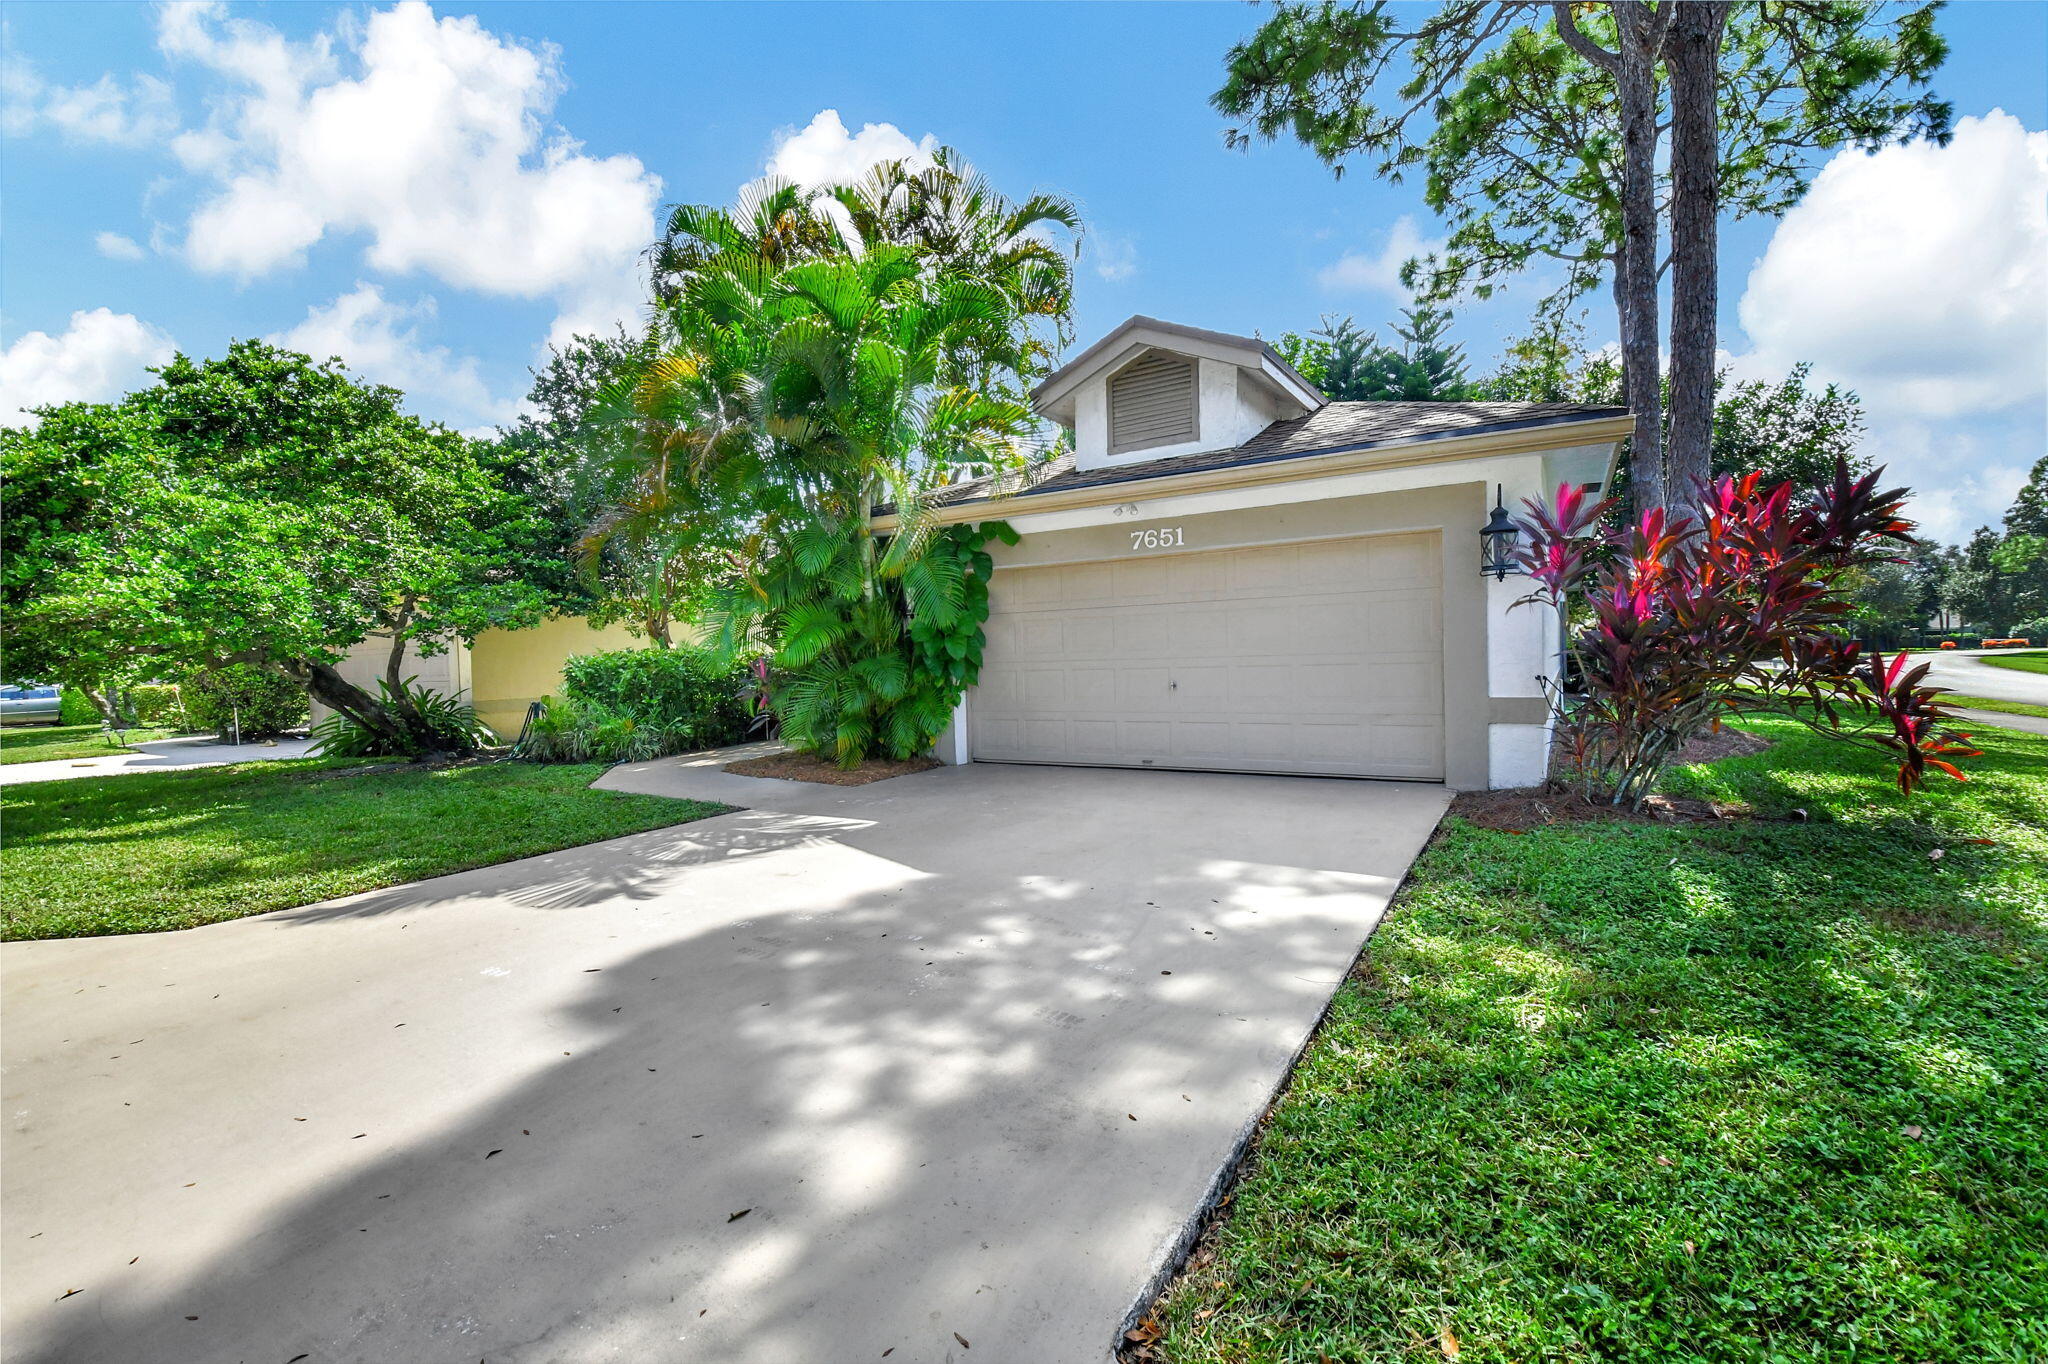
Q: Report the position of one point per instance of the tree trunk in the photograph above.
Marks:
(1693, 59)
(337, 693)
(1640, 32)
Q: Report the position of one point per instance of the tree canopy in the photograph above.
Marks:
(260, 508)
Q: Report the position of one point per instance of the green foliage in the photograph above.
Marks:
(161, 704)
(145, 852)
(74, 707)
(1787, 430)
(441, 724)
(1349, 365)
(1728, 1091)
(264, 704)
(256, 509)
(569, 730)
(689, 691)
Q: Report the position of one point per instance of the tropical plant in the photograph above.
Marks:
(1692, 622)
(445, 724)
(568, 730)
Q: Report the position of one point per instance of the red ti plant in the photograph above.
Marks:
(1692, 620)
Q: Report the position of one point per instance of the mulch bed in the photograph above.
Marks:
(809, 767)
(1524, 808)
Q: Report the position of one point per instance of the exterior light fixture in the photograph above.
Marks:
(1497, 541)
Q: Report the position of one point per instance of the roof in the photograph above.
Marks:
(1052, 397)
(1332, 429)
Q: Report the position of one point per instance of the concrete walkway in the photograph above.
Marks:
(1966, 672)
(158, 755)
(944, 1061)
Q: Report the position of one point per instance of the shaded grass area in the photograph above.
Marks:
(2028, 661)
(56, 743)
(141, 852)
(1713, 1091)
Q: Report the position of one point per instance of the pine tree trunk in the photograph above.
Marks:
(1693, 58)
(1636, 284)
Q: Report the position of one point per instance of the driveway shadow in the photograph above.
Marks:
(902, 1085)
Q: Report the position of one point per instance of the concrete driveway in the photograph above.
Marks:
(158, 755)
(948, 1058)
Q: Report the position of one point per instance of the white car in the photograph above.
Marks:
(30, 703)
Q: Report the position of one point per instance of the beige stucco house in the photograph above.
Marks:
(1231, 572)
(501, 674)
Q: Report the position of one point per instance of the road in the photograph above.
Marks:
(160, 755)
(1964, 671)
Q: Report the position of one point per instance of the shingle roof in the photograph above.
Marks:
(1329, 429)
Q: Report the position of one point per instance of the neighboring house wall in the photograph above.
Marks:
(500, 675)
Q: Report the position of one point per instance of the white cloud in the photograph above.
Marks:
(380, 340)
(114, 246)
(101, 355)
(131, 113)
(1356, 270)
(824, 153)
(1116, 258)
(1918, 276)
(429, 137)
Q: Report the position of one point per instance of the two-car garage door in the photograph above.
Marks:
(1324, 657)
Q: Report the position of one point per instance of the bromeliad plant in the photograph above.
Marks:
(1697, 620)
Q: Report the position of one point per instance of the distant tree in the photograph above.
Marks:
(1788, 429)
(263, 509)
(1349, 365)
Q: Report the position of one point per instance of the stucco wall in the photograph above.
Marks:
(511, 669)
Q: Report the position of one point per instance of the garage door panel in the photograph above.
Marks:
(1318, 658)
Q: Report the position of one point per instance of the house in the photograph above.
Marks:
(1229, 571)
(500, 674)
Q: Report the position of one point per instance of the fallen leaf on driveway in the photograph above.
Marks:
(963, 1341)
(738, 1215)
(68, 1293)
(488, 1154)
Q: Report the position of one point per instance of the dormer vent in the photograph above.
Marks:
(1152, 403)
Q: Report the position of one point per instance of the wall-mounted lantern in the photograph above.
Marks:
(1497, 541)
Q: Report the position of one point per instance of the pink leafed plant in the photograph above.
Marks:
(1682, 621)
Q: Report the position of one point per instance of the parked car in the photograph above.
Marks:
(30, 703)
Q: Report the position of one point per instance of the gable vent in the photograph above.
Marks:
(1152, 402)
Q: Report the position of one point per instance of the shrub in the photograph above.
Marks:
(260, 701)
(74, 707)
(155, 705)
(571, 731)
(1969, 641)
(685, 693)
(2034, 631)
(1697, 621)
(434, 722)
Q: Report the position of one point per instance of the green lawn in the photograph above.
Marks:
(1994, 704)
(2026, 661)
(1750, 1091)
(54, 743)
(137, 853)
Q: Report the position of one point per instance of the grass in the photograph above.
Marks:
(2027, 661)
(55, 743)
(1994, 704)
(1751, 1091)
(143, 852)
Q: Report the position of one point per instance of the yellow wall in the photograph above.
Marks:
(511, 669)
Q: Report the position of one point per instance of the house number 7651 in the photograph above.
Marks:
(1167, 538)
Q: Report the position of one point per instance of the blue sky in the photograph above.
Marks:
(433, 193)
